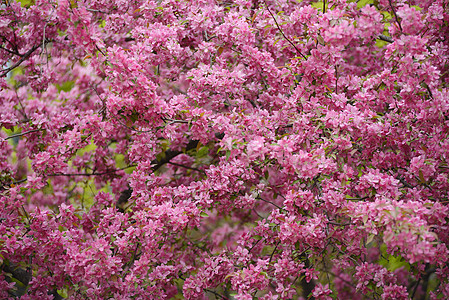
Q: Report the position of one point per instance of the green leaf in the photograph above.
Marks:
(66, 86)
(365, 219)
(202, 152)
(257, 237)
(363, 3)
(63, 293)
(370, 238)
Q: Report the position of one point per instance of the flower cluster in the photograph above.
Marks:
(238, 149)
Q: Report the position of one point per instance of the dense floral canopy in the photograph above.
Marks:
(264, 149)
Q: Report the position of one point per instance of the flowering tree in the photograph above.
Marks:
(264, 149)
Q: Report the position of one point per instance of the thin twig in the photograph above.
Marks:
(101, 51)
(216, 294)
(274, 250)
(44, 48)
(336, 80)
(405, 183)
(415, 288)
(341, 252)
(14, 46)
(395, 15)
(190, 168)
(260, 198)
(253, 246)
(280, 30)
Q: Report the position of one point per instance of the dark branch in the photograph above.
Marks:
(21, 134)
(274, 204)
(24, 57)
(216, 294)
(10, 51)
(307, 287)
(385, 38)
(395, 15)
(24, 276)
(282, 32)
(158, 163)
(90, 174)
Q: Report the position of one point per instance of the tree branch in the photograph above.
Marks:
(274, 204)
(186, 167)
(24, 276)
(10, 51)
(21, 134)
(91, 174)
(21, 60)
(395, 15)
(282, 32)
(385, 38)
